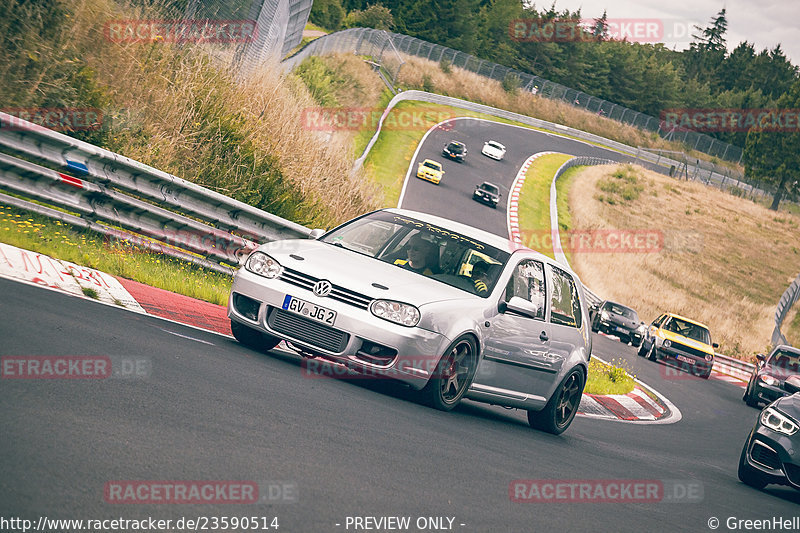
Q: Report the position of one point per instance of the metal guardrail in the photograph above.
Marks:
(788, 299)
(123, 193)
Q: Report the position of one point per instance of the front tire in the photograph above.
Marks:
(749, 397)
(560, 410)
(653, 355)
(642, 351)
(453, 375)
(747, 474)
(252, 338)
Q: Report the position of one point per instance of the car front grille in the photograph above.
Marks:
(307, 331)
(792, 474)
(688, 349)
(338, 293)
(764, 456)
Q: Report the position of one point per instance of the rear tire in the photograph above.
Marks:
(560, 410)
(252, 338)
(453, 375)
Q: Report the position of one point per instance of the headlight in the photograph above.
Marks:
(776, 421)
(604, 315)
(769, 380)
(641, 329)
(709, 357)
(397, 312)
(667, 343)
(263, 265)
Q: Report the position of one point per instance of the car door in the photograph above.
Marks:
(517, 346)
(568, 329)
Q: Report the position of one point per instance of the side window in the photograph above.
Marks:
(565, 304)
(658, 321)
(527, 282)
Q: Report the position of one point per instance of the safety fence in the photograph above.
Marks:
(375, 43)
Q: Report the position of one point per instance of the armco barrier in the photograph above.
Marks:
(127, 194)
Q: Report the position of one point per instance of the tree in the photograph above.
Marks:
(707, 51)
(328, 14)
(374, 16)
(600, 27)
(771, 156)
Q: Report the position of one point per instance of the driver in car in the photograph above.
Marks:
(480, 277)
(422, 256)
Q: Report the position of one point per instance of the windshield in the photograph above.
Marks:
(425, 249)
(456, 148)
(688, 330)
(490, 188)
(786, 360)
(429, 164)
(495, 145)
(621, 310)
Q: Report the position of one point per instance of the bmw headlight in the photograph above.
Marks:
(604, 315)
(777, 421)
(769, 380)
(397, 312)
(263, 265)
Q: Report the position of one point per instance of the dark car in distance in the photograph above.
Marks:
(769, 379)
(455, 150)
(619, 320)
(487, 193)
(768, 455)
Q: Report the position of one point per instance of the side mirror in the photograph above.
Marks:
(714, 345)
(521, 306)
(316, 233)
(761, 357)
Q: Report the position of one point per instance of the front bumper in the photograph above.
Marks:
(685, 361)
(413, 353)
(483, 199)
(611, 329)
(429, 177)
(767, 393)
(774, 455)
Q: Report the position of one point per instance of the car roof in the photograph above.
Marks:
(786, 348)
(489, 183)
(501, 243)
(679, 317)
(456, 142)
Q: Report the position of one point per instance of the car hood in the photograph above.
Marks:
(620, 320)
(789, 405)
(361, 273)
(674, 337)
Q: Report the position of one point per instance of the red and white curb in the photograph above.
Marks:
(38, 269)
(512, 210)
(636, 405)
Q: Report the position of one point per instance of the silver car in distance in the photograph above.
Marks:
(452, 311)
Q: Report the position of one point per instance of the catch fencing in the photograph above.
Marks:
(373, 43)
(788, 299)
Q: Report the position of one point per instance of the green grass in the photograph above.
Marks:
(534, 203)
(50, 237)
(621, 187)
(609, 379)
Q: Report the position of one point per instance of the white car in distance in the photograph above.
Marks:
(494, 149)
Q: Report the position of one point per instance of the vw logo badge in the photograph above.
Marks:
(322, 288)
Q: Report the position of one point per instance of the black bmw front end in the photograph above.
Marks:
(769, 455)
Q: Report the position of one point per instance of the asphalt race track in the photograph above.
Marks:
(209, 409)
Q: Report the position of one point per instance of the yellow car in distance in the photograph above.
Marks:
(430, 170)
(681, 341)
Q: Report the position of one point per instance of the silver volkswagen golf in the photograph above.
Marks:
(452, 311)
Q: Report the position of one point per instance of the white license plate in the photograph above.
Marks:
(622, 330)
(309, 310)
(684, 359)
